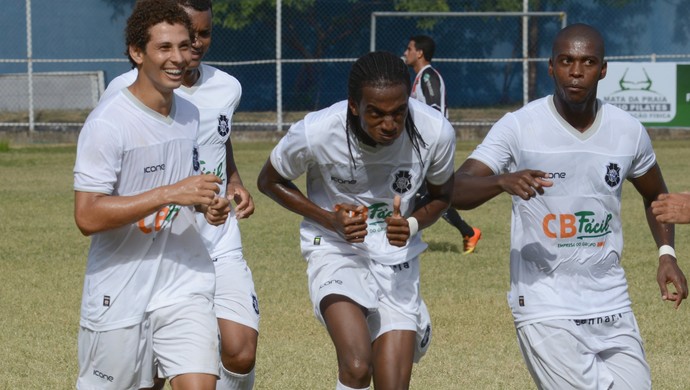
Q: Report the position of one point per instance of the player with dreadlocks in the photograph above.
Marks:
(365, 158)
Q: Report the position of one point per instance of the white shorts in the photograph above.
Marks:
(177, 339)
(597, 353)
(389, 293)
(235, 296)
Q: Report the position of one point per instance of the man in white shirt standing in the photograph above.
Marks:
(563, 159)
(147, 306)
(428, 87)
(217, 94)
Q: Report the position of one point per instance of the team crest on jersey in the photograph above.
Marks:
(402, 182)
(223, 125)
(195, 159)
(613, 176)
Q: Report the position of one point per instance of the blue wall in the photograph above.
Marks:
(92, 29)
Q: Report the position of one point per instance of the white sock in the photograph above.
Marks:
(341, 386)
(231, 381)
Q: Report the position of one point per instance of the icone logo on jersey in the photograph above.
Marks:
(154, 168)
(555, 175)
(580, 225)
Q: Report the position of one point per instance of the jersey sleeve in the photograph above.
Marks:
(645, 158)
(442, 162)
(499, 147)
(234, 93)
(292, 156)
(431, 88)
(99, 158)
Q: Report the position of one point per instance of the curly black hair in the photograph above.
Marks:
(148, 13)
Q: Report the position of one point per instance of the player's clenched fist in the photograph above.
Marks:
(218, 211)
(351, 221)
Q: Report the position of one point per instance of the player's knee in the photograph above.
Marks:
(239, 362)
(355, 369)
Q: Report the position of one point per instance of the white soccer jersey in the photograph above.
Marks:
(318, 145)
(566, 244)
(216, 94)
(124, 149)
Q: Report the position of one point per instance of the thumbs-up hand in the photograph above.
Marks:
(397, 229)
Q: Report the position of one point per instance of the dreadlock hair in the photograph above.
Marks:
(148, 13)
(379, 69)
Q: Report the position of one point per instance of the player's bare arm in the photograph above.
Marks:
(439, 201)
(476, 184)
(651, 186)
(672, 208)
(97, 212)
(287, 194)
(235, 190)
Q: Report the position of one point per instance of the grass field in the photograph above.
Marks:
(43, 256)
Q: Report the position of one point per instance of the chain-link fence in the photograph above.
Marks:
(57, 56)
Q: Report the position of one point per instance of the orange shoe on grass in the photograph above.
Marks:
(470, 243)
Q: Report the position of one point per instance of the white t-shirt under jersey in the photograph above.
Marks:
(124, 149)
(318, 145)
(216, 94)
(566, 244)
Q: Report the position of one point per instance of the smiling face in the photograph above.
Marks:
(381, 112)
(202, 25)
(576, 65)
(164, 61)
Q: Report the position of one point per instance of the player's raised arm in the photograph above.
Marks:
(476, 184)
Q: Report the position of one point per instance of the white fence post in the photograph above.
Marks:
(279, 68)
(30, 65)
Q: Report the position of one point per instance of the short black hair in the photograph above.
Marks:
(148, 13)
(426, 44)
(199, 5)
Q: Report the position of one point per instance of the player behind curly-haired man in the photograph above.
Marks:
(365, 158)
(428, 87)
(147, 304)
